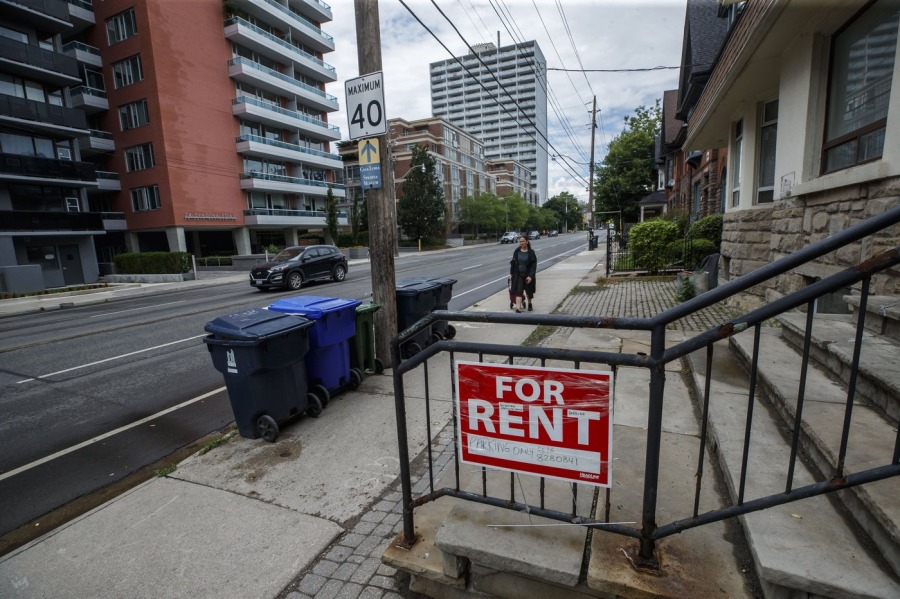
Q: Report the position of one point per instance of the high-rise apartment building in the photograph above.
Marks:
(196, 126)
(500, 97)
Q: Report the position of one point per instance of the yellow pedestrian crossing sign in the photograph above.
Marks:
(369, 152)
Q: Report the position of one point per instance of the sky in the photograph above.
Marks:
(576, 35)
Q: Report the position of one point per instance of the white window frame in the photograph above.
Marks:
(121, 27)
(128, 71)
(145, 199)
(736, 155)
(134, 115)
(765, 190)
(139, 158)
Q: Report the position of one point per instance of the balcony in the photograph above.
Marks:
(315, 9)
(258, 111)
(289, 218)
(254, 145)
(247, 71)
(89, 99)
(32, 169)
(259, 40)
(285, 19)
(35, 221)
(81, 14)
(257, 181)
(96, 142)
(114, 221)
(31, 115)
(49, 16)
(38, 64)
(83, 53)
(107, 182)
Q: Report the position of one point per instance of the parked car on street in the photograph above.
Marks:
(296, 265)
(553, 233)
(534, 235)
(509, 237)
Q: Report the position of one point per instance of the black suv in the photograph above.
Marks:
(294, 266)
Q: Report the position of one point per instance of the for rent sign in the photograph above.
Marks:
(553, 422)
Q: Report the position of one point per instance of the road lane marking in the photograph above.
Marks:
(84, 444)
(471, 267)
(140, 351)
(133, 309)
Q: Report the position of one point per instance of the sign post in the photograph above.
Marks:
(552, 422)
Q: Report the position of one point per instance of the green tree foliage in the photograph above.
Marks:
(515, 212)
(568, 212)
(420, 211)
(331, 215)
(650, 243)
(627, 172)
(708, 227)
(483, 212)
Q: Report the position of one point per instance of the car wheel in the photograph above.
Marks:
(295, 280)
(339, 272)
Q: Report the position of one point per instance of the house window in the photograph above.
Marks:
(133, 115)
(859, 90)
(128, 71)
(145, 198)
(768, 131)
(736, 163)
(139, 158)
(695, 208)
(121, 27)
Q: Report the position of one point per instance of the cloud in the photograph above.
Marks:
(608, 34)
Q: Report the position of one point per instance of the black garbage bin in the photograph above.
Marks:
(415, 300)
(261, 355)
(442, 296)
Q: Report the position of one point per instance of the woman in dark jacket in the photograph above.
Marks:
(522, 271)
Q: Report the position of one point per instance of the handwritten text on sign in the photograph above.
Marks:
(553, 422)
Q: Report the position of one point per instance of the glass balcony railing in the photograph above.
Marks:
(255, 65)
(292, 180)
(290, 113)
(85, 4)
(79, 46)
(35, 220)
(294, 16)
(88, 91)
(293, 213)
(286, 146)
(45, 168)
(100, 134)
(280, 42)
(108, 175)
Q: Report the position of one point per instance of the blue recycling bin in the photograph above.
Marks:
(261, 356)
(334, 324)
(415, 300)
(443, 293)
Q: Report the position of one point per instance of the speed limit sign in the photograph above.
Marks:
(365, 106)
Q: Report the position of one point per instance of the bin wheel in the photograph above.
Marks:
(451, 331)
(435, 337)
(314, 405)
(267, 428)
(379, 366)
(356, 377)
(322, 393)
(412, 349)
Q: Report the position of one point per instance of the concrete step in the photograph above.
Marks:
(831, 347)
(801, 549)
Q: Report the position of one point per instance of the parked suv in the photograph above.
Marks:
(296, 265)
(509, 237)
(534, 235)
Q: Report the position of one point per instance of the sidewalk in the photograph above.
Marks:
(242, 520)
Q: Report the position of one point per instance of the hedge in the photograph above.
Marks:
(649, 243)
(155, 263)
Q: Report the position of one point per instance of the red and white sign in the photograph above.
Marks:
(553, 422)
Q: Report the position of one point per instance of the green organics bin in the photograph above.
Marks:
(363, 354)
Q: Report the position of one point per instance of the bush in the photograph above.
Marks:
(649, 243)
(346, 240)
(686, 291)
(155, 263)
(708, 227)
(699, 249)
(214, 261)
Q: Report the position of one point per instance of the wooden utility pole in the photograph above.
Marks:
(591, 173)
(381, 209)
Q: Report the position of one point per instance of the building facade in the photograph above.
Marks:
(206, 121)
(500, 97)
(512, 177)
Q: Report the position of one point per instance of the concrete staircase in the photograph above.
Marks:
(844, 544)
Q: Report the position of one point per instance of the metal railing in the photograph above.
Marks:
(241, 61)
(277, 40)
(289, 113)
(649, 530)
(286, 146)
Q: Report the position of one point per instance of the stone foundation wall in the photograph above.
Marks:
(755, 237)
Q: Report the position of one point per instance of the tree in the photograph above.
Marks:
(515, 212)
(331, 215)
(421, 210)
(484, 211)
(568, 212)
(627, 172)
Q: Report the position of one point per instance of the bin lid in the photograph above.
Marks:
(367, 307)
(416, 286)
(255, 325)
(313, 306)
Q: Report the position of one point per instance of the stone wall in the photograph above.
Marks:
(752, 238)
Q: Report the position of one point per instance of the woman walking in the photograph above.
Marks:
(522, 272)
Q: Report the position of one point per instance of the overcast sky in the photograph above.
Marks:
(572, 34)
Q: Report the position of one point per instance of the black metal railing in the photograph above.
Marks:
(649, 530)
